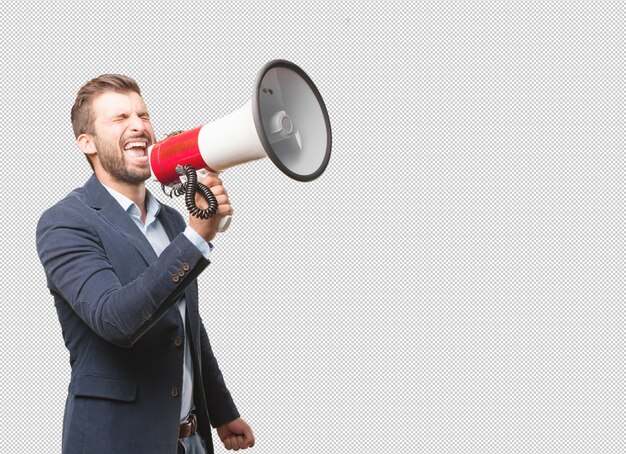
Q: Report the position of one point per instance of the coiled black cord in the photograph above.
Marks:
(190, 188)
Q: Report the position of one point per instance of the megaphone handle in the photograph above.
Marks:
(224, 222)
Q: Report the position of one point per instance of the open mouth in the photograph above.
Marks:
(136, 149)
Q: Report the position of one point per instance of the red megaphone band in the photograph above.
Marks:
(179, 149)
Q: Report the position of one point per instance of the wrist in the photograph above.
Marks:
(203, 245)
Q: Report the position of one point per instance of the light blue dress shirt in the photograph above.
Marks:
(156, 235)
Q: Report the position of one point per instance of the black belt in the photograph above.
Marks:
(188, 427)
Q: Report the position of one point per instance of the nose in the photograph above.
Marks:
(137, 124)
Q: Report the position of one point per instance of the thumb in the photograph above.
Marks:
(247, 433)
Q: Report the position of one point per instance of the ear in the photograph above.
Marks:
(86, 144)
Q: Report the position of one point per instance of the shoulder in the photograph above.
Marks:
(71, 208)
(71, 216)
(70, 223)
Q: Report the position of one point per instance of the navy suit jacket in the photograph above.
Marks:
(116, 302)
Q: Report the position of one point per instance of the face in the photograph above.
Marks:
(122, 135)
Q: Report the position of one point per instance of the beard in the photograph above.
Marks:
(114, 162)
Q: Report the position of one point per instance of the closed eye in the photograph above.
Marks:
(119, 118)
(122, 117)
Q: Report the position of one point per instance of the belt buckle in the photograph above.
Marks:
(188, 427)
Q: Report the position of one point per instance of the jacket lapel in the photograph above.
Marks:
(169, 223)
(113, 214)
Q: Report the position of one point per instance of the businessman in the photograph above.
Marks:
(122, 270)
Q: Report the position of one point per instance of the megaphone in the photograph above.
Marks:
(286, 120)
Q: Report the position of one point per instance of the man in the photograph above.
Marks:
(122, 269)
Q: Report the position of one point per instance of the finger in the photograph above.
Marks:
(217, 189)
(221, 199)
(233, 443)
(223, 433)
(209, 180)
(212, 183)
(227, 443)
(224, 210)
(202, 203)
(241, 442)
(247, 432)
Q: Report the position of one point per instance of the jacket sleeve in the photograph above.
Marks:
(79, 271)
(220, 404)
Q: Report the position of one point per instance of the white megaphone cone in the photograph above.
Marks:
(286, 120)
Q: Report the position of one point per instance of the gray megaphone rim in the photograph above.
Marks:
(258, 121)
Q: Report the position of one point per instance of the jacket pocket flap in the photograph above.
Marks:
(107, 388)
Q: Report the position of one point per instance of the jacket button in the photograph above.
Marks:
(181, 273)
(186, 266)
(175, 277)
(174, 392)
(178, 341)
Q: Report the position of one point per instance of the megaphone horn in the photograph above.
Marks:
(286, 120)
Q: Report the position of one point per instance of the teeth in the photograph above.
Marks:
(135, 144)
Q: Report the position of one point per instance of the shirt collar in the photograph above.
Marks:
(152, 205)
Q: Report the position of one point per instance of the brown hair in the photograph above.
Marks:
(82, 115)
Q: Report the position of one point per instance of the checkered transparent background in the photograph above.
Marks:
(453, 283)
